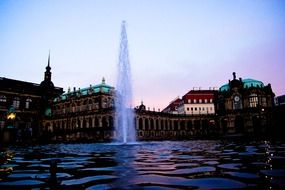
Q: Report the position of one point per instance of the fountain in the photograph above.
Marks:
(124, 117)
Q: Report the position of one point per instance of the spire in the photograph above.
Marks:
(48, 68)
(48, 58)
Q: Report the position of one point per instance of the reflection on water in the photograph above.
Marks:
(147, 165)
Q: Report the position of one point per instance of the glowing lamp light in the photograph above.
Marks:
(11, 116)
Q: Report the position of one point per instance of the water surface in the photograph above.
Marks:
(147, 165)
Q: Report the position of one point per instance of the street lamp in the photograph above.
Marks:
(11, 116)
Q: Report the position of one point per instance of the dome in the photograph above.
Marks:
(247, 83)
(47, 84)
(252, 83)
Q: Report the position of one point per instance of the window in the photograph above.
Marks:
(211, 100)
(195, 109)
(73, 107)
(3, 99)
(206, 101)
(16, 103)
(28, 103)
(253, 100)
(200, 100)
(189, 101)
(195, 101)
(187, 109)
(203, 109)
(191, 109)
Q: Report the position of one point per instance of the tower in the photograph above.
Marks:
(48, 68)
(47, 84)
(48, 91)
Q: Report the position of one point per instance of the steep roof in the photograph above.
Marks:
(174, 103)
(199, 94)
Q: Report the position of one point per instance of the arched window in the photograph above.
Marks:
(16, 102)
(28, 103)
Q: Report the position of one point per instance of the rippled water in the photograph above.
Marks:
(148, 165)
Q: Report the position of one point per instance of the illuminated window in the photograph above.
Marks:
(200, 100)
(211, 100)
(195, 101)
(206, 101)
(253, 100)
(189, 101)
(16, 103)
(28, 103)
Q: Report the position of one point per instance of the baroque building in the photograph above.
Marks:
(86, 113)
(23, 106)
(151, 125)
(245, 106)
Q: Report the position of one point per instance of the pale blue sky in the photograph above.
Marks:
(174, 45)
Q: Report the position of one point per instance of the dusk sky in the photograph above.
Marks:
(174, 45)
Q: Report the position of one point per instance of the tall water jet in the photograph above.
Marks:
(124, 117)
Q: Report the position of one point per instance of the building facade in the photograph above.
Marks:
(151, 125)
(245, 106)
(197, 102)
(241, 106)
(29, 110)
(23, 106)
(86, 113)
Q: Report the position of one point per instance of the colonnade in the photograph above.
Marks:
(149, 126)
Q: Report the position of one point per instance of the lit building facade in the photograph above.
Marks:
(197, 102)
(245, 106)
